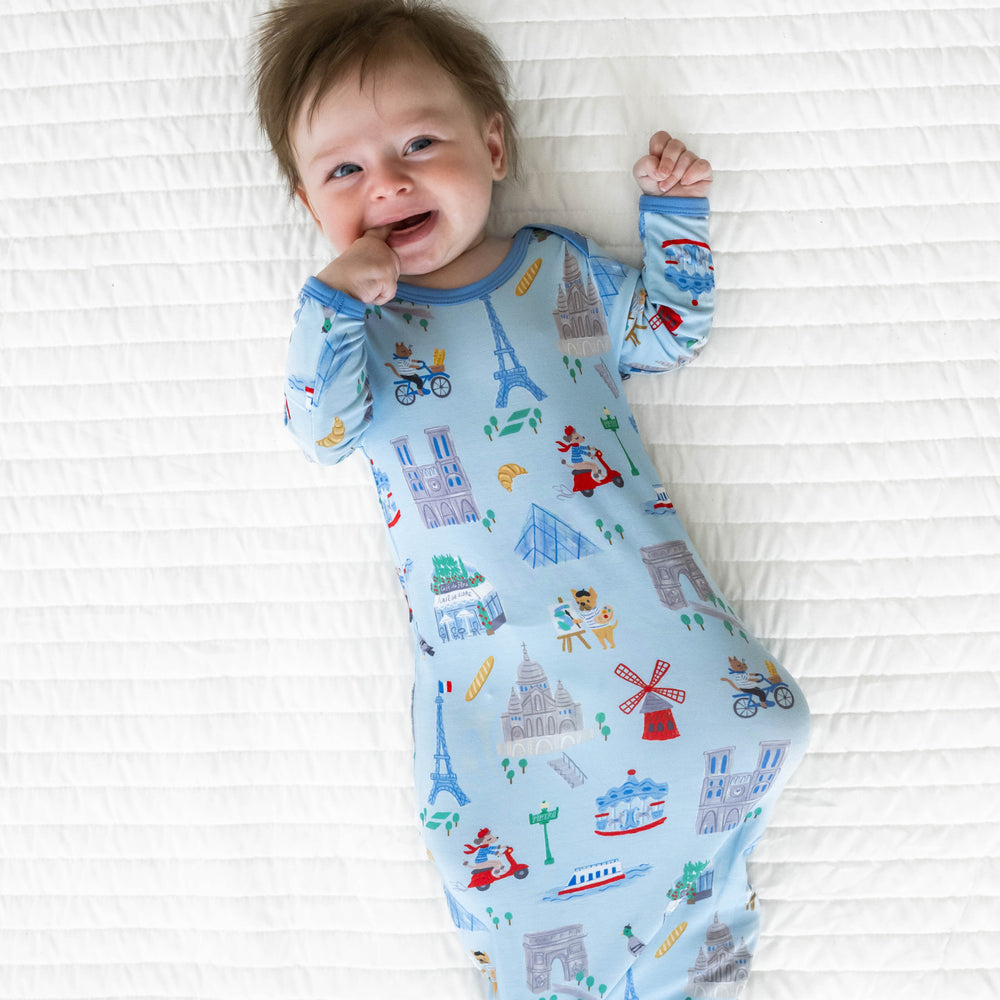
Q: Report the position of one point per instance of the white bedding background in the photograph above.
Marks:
(204, 677)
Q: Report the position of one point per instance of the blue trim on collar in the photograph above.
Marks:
(569, 235)
(469, 293)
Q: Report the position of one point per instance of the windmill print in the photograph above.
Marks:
(658, 717)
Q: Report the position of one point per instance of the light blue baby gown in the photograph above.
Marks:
(599, 740)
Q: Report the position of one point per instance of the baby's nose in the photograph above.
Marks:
(389, 179)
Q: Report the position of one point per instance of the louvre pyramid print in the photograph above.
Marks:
(546, 539)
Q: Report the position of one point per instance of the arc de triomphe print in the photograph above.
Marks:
(542, 948)
(666, 563)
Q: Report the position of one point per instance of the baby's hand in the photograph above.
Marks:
(367, 270)
(671, 168)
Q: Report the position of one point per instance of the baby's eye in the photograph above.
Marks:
(344, 170)
(418, 144)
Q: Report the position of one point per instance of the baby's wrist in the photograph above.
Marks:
(334, 276)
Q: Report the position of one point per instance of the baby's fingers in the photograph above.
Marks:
(671, 168)
(698, 170)
(694, 182)
(674, 158)
(647, 168)
(379, 232)
(657, 143)
(659, 164)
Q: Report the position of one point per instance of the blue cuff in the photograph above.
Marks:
(339, 301)
(667, 205)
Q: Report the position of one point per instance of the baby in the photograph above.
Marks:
(611, 792)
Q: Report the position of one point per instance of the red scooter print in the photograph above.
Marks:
(483, 878)
(584, 479)
(585, 483)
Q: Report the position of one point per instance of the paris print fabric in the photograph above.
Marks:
(599, 739)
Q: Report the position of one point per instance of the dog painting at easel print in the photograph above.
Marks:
(599, 619)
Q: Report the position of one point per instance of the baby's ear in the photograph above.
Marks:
(300, 193)
(494, 136)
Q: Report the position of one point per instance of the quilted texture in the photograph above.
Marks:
(204, 779)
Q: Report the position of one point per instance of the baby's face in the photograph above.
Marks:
(403, 150)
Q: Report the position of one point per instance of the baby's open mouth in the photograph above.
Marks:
(409, 223)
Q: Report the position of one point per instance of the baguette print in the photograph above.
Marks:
(528, 277)
(671, 940)
(480, 679)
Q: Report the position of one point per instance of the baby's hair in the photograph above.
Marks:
(304, 47)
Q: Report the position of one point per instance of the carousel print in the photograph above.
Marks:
(635, 805)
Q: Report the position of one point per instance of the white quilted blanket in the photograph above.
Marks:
(204, 771)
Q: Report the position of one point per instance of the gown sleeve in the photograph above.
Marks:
(328, 403)
(670, 315)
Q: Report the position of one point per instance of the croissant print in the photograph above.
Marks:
(335, 436)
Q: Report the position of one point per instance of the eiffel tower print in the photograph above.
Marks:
(443, 778)
(510, 372)
(630, 993)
